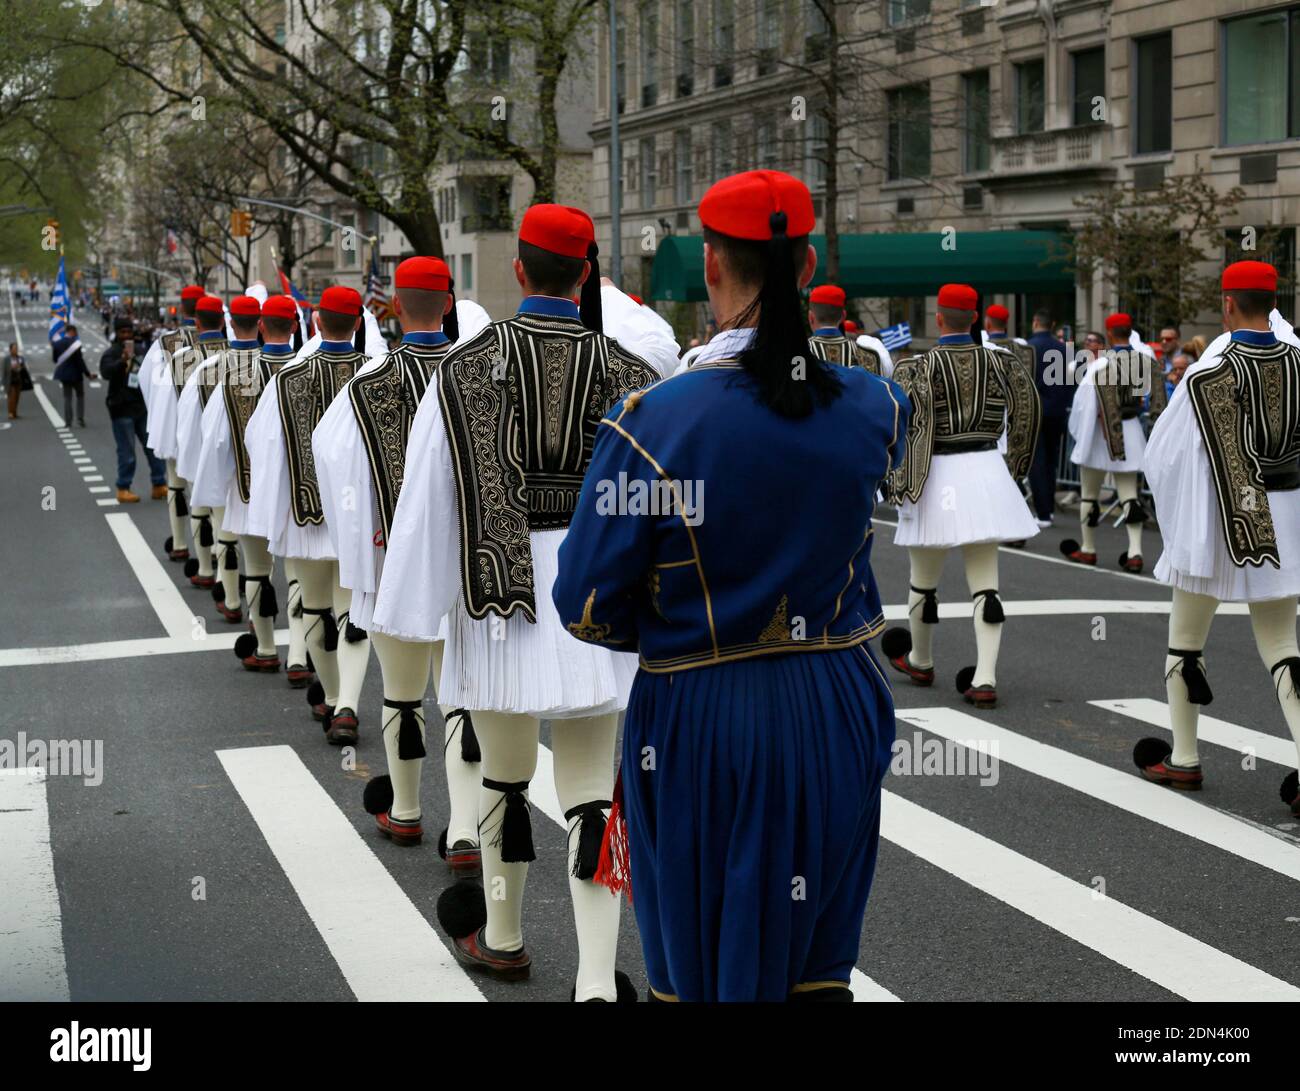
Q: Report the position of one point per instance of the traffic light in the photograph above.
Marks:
(241, 223)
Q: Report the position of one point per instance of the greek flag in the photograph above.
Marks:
(60, 304)
(895, 337)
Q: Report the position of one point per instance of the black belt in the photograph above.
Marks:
(963, 446)
(1282, 480)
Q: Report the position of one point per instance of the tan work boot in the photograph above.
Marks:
(159, 492)
(126, 496)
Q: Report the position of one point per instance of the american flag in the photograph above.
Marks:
(895, 337)
(375, 298)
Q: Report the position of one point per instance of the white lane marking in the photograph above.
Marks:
(385, 949)
(1053, 607)
(124, 649)
(108, 503)
(1124, 790)
(1208, 729)
(31, 921)
(544, 797)
(172, 610)
(1149, 947)
(79, 460)
(91, 480)
(88, 469)
(46, 405)
(100, 488)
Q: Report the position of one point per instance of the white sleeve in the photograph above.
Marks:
(347, 494)
(216, 465)
(161, 408)
(189, 413)
(376, 343)
(471, 318)
(421, 578)
(148, 366)
(639, 329)
(877, 346)
(268, 494)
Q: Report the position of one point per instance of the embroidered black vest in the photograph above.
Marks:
(1121, 386)
(246, 374)
(1248, 409)
(840, 350)
(521, 403)
(172, 343)
(305, 392)
(384, 401)
(962, 397)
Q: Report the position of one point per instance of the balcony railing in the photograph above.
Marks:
(1080, 148)
(486, 221)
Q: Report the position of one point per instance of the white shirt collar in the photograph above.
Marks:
(726, 344)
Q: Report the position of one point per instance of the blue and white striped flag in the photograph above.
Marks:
(60, 304)
(895, 337)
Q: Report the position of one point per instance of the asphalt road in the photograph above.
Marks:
(1059, 875)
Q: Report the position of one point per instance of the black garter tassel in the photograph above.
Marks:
(591, 835)
(205, 531)
(1198, 686)
(330, 640)
(232, 558)
(267, 604)
(410, 743)
(469, 748)
(351, 633)
(930, 607)
(296, 609)
(993, 612)
(182, 508)
(1294, 665)
(515, 833)
(1094, 512)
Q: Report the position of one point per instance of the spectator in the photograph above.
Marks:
(16, 378)
(1094, 344)
(121, 367)
(1195, 348)
(1170, 340)
(70, 370)
(1177, 368)
(1057, 397)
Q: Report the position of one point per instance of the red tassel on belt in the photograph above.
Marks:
(615, 868)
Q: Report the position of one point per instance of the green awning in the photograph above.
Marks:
(907, 264)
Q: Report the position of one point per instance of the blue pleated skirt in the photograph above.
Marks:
(752, 794)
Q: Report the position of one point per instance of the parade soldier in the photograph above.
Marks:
(224, 472)
(182, 421)
(825, 316)
(360, 451)
(285, 507)
(1224, 469)
(996, 318)
(955, 489)
(161, 386)
(1108, 438)
(495, 463)
(759, 727)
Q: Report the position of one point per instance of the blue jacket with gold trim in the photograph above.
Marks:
(710, 529)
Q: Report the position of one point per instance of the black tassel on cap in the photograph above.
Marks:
(410, 740)
(993, 612)
(591, 835)
(359, 338)
(589, 307)
(182, 508)
(930, 605)
(450, 321)
(267, 604)
(1198, 686)
(515, 832)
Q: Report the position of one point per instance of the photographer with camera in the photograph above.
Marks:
(120, 365)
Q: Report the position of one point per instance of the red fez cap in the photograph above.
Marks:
(341, 299)
(742, 205)
(1119, 321)
(1250, 276)
(209, 304)
(280, 306)
(192, 291)
(997, 312)
(960, 297)
(245, 306)
(828, 294)
(431, 274)
(559, 229)
(636, 299)
(850, 326)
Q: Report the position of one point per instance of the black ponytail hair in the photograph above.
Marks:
(450, 323)
(780, 341)
(589, 308)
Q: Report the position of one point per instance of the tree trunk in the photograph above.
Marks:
(831, 194)
(418, 220)
(548, 84)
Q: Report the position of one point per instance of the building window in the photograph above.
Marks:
(766, 143)
(1088, 80)
(1277, 247)
(817, 34)
(650, 54)
(1153, 115)
(1261, 77)
(684, 189)
(724, 42)
(489, 197)
(898, 12)
(1030, 86)
(724, 162)
(649, 180)
(466, 273)
(279, 34)
(769, 35)
(975, 122)
(909, 132)
(815, 148)
(684, 32)
(348, 242)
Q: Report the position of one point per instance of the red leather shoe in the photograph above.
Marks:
(299, 676)
(1131, 564)
(981, 696)
(232, 616)
(205, 582)
(920, 676)
(343, 727)
(464, 858)
(1187, 777)
(266, 663)
(400, 831)
(474, 954)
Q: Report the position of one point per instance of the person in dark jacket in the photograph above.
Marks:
(121, 367)
(1050, 370)
(70, 369)
(15, 377)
